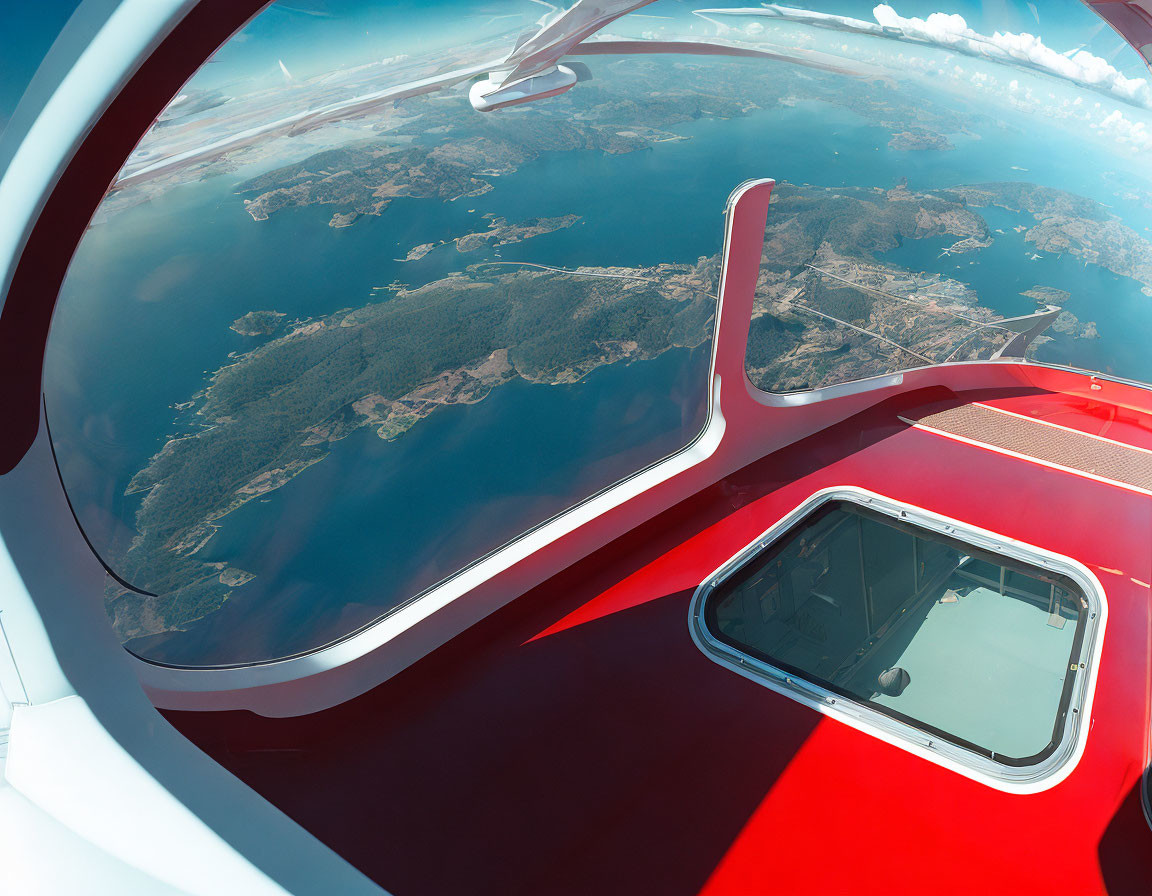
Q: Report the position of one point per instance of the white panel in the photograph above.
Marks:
(63, 760)
(41, 857)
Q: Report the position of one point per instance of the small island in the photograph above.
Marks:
(1069, 324)
(234, 578)
(258, 323)
(970, 244)
(418, 252)
(501, 233)
(1048, 295)
(919, 139)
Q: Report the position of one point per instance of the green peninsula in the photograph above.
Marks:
(275, 410)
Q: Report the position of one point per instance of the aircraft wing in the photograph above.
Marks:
(1131, 19)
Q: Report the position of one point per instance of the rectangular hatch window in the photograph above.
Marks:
(973, 648)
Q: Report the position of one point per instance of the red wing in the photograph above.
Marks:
(1132, 20)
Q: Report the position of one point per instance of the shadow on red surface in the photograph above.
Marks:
(1125, 869)
(607, 758)
(575, 741)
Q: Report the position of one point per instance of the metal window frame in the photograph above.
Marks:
(1033, 778)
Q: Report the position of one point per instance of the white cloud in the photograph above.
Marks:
(1122, 129)
(949, 31)
(1027, 50)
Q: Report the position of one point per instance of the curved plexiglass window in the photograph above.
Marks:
(336, 332)
(920, 627)
(980, 189)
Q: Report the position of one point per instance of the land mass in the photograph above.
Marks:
(258, 323)
(918, 139)
(1072, 224)
(275, 410)
(438, 150)
(1048, 295)
(364, 178)
(501, 233)
(827, 310)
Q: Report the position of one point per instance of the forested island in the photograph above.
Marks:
(274, 411)
(258, 323)
(501, 233)
(920, 139)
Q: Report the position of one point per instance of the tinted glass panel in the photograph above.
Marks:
(918, 627)
(888, 580)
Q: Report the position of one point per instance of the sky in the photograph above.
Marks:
(1063, 24)
(309, 35)
(310, 30)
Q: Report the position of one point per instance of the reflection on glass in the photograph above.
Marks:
(927, 630)
(334, 334)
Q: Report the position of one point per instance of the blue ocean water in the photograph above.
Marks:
(145, 315)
